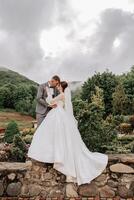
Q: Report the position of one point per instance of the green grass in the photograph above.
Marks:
(8, 115)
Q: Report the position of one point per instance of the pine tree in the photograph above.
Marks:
(19, 149)
(11, 130)
(97, 97)
(120, 100)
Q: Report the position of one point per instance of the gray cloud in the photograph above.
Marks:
(114, 23)
(23, 21)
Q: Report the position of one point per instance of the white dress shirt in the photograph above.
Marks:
(51, 89)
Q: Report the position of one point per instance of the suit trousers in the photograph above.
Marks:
(41, 117)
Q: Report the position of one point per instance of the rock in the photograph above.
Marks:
(1, 189)
(71, 190)
(36, 168)
(88, 190)
(131, 190)
(123, 191)
(56, 193)
(11, 166)
(127, 179)
(14, 189)
(43, 194)
(24, 191)
(114, 157)
(19, 176)
(35, 175)
(128, 158)
(11, 176)
(121, 168)
(48, 183)
(48, 176)
(2, 146)
(114, 176)
(29, 164)
(54, 183)
(62, 178)
(34, 190)
(28, 175)
(106, 192)
(52, 171)
(112, 183)
(101, 180)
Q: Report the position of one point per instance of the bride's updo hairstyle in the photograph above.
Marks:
(64, 85)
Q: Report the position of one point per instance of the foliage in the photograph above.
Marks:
(106, 81)
(11, 131)
(120, 101)
(131, 121)
(128, 84)
(23, 106)
(115, 119)
(125, 128)
(28, 139)
(96, 133)
(17, 92)
(126, 138)
(7, 96)
(98, 97)
(14, 78)
(19, 149)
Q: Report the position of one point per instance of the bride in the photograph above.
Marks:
(57, 140)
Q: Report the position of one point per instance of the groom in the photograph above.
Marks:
(42, 107)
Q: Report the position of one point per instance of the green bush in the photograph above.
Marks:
(115, 119)
(32, 109)
(23, 106)
(28, 131)
(11, 130)
(120, 100)
(28, 139)
(17, 154)
(107, 81)
(26, 106)
(19, 149)
(126, 139)
(95, 133)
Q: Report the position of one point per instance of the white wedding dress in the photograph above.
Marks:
(57, 140)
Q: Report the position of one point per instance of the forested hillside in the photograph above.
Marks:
(9, 76)
(17, 92)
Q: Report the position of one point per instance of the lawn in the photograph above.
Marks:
(23, 121)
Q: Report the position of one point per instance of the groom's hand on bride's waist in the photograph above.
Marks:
(53, 105)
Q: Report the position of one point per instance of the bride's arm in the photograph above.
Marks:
(57, 98)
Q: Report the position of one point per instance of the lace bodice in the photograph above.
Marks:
(59, 100)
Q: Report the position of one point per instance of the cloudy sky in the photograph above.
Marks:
(71, 38)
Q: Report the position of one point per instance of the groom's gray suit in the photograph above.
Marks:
(42, 107)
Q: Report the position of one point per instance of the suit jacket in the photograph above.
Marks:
(42, 105)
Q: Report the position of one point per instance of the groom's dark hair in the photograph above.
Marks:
(57, 78)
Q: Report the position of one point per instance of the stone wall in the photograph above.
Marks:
(37, 180)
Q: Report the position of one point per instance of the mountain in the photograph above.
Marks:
(9, 76)
(75, 85)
